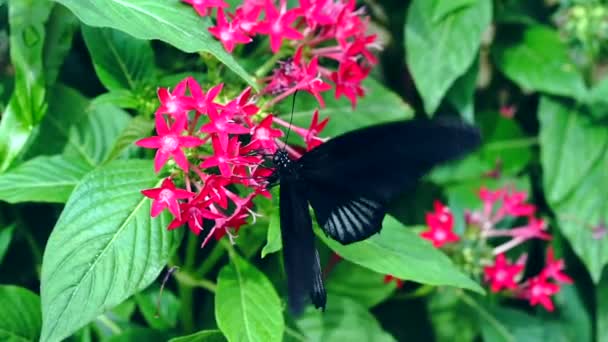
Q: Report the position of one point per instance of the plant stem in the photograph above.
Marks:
(422, 291)
(186, 291)
(189, 280)
(265, 68)
(211, 260)
(296, 335)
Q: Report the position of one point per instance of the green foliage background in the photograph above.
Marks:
(80, 258)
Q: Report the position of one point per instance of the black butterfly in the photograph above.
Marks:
(349, 181)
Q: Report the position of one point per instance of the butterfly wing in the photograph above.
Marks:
(350, 179)
(299, 253)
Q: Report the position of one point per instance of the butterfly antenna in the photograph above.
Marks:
(160, 294)
(293, 105)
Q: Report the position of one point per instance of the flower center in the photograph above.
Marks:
(440, 235)
(165, 195)
(170, 143)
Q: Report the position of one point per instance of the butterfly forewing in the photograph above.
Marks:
(299, 253)
(350, 179)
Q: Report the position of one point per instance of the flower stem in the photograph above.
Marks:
(266, 67)
(211, 260)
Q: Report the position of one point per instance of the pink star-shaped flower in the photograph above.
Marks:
(204, 102)
(166, 196)
(228, 33)
(174, 103)
(263, 137)
(277, 24)
(170, 142)
(348, 80)
(502, 274)
(539, 291)
(554, 267)
(441, 225)
(204, 7)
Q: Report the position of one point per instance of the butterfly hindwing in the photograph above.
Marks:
(345, 218)
(299, 253)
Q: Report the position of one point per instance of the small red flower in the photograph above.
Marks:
(263, 137)
(225, 157)
(348, 80)
(204, 7)
(277, 24)
(203, 103)
(228, 33)
(193, 214)
(170, 142)
(554, 267)
(441, 225)
(174, 103)
(166, 196)
(389, 278)
(502, 274)
(514, 204)
(534, 229)
(539, 291)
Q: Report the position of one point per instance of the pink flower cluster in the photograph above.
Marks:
(498, 205)
(189, 124)
(331, 29)
(503, 275)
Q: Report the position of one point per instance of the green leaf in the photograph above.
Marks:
(19, 314)
(121, 61)
(91, 138)
(139, 127)
(76, 127)
(379, 105)
(273, 235)
(201, 336)
(452, 319)
(167, 20)
(461, 94)
(352, 281)
(103, 249)
(66, 107)
(539, 61)
(598, 99)
(574, 157)
(27, 105)
(273, 239)
(42, 179)
(59, 30)
(344, 320)
(247, 307)
(138, 334)
(121, 97)
(441, 43)
(602, 309)
(6, 235)
(168, 308)
(403, 254)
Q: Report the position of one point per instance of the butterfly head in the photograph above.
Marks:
(281, 160)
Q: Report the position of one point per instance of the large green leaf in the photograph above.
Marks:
(598, 99)
(602, 309)
(441, 44)
(452, 319)
(42, 179)
(19, 314)
(574, 157)
(201, 336)
(139, 127)
(103, 249)
(358, 283)
(462, 93)
(379, 105)
(59, 30)
(121, 61)
(92, 138)
(343, 320)
(27, 105)
(167, 20)
(247, 307)
(6, 236)
(538, 60)
(78, 128)
(403, 254)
